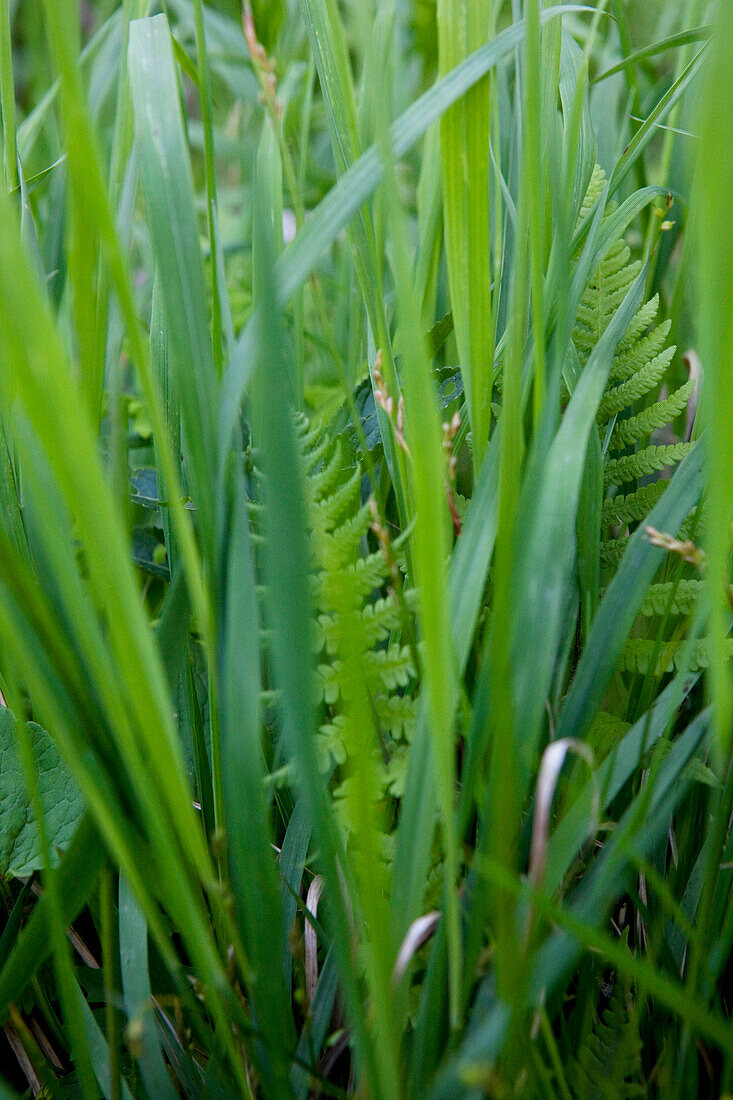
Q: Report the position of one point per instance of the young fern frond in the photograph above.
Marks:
(612, 550)
(684, 595)
(631, 467)
(643, 381)
(364, 666)
(633, 507)
(638, 655)
(635, 350)
(634, 406)
(651, 419)
(637, 373)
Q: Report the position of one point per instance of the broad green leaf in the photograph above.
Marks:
(20, 848)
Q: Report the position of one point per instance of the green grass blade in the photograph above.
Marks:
(646, 131)
(32, 125)
(99, 1052)
(363, 177)
(714, 242)
(353, 189)
(167, 179)
(77, 878)
(430, 545)
(547, 521)
(218, 287)
(330, 50)
(617, 769)
(10, 511)
(7, 100)
(671, 42)
(467, 577)
(290, 618)
(464, 139)
(249, 852)
(291, 863)
(138, 994)
(715, 280)
(579, 923)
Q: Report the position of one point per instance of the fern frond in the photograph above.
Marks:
(693, 526)
(366, 573)
(641, 383)
(330, 473)
(651, 419)
(634, 506)
(638, 653)
(608, 1065)
(330, 508)
(643, 463)
(657, 598)
(396, 715)
(602, 297)
(613, 550)
(606, 732)
(391, 668)
(376, 621)
(627, 417)
(365, 675)
(345, 538)
(645, 316)
(314, 444)
(595, 189)
(634, 352)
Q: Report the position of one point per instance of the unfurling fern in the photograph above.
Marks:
(365, 664)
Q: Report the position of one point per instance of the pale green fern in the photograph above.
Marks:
(365, 660)
(634, 407)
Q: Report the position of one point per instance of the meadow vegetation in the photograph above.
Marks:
(366, 487)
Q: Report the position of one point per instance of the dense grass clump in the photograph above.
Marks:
(366, 486)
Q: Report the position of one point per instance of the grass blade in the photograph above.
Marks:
(464, 138)
(167, 180)
(138, 994)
